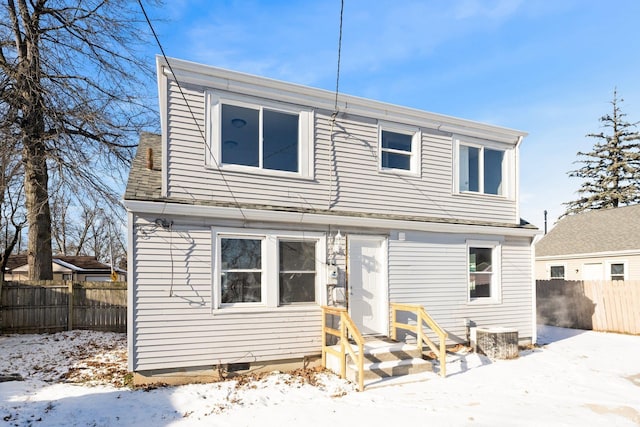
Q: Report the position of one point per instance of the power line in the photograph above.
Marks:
(339, 54)
(335, 113)
(184, 97)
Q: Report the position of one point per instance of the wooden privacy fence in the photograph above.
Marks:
(612, 306)
(49, 306)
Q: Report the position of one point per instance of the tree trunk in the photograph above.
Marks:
(36, 182)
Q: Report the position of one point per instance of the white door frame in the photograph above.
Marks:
(382, 294)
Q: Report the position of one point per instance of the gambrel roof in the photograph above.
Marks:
(597, 231)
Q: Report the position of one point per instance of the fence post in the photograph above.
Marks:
(70, 311)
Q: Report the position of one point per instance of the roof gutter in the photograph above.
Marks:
(302, 218)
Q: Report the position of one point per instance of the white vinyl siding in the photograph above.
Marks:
(171, 302)
(355, 183)
(431, 269)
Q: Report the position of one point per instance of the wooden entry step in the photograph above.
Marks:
(383, 358)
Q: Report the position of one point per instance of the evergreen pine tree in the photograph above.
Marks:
(611, 171)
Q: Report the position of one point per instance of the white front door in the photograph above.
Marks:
(368, 299)
(592, 271)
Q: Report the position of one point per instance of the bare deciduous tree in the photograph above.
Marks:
(75, 95)
(12, 218)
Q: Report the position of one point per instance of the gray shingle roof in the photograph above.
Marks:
(144, 183)
(79, 262)
(603, 230)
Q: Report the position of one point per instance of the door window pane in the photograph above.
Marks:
(297, 276)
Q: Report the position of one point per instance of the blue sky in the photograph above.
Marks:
(547, 67)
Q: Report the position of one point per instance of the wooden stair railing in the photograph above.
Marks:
(347, 329)
(421, 317)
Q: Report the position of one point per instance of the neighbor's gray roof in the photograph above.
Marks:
(603, 230)
(76, 263)
(144, 183)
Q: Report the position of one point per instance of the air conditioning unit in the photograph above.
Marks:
(497, 343)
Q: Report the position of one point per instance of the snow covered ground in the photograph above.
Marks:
(574, 378)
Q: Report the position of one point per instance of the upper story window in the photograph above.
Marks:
(399, 148)
(267, 136)
(481, 169)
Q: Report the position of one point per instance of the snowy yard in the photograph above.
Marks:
(574, 378)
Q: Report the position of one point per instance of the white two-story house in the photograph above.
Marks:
(262, 201)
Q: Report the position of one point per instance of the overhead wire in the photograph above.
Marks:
(188, 104)
(334, 115)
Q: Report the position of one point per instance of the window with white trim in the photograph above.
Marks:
(399, 148)
(297, 275)
(483, 260)
(267, 268)
(269, 137)
(617, 270)
(241, 270)
(481, 169)
(556, 272)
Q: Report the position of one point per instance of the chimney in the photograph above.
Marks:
(150, 158)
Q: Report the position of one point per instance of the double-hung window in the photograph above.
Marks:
(267, 268)
(268, 137)
(481, 169)
(556, 272)
(399, 148)
(616, 271)
(241, 270)
(484, 271)
(297, 272)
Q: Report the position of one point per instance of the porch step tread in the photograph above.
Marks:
(392, 363)
(380, 346)
(389, 368)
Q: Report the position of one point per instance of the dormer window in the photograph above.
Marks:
(399, 148)
(247, 136)
(482, 169)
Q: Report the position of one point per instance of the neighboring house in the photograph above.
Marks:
(600, 244)
(74, 268)
(259, 203)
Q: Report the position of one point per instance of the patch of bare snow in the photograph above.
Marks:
(572, 378)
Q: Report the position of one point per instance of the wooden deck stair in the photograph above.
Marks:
(383, 358)
(358, 359)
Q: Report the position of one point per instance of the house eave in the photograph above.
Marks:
(232, 81)
(332, 219)
(604, 254)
